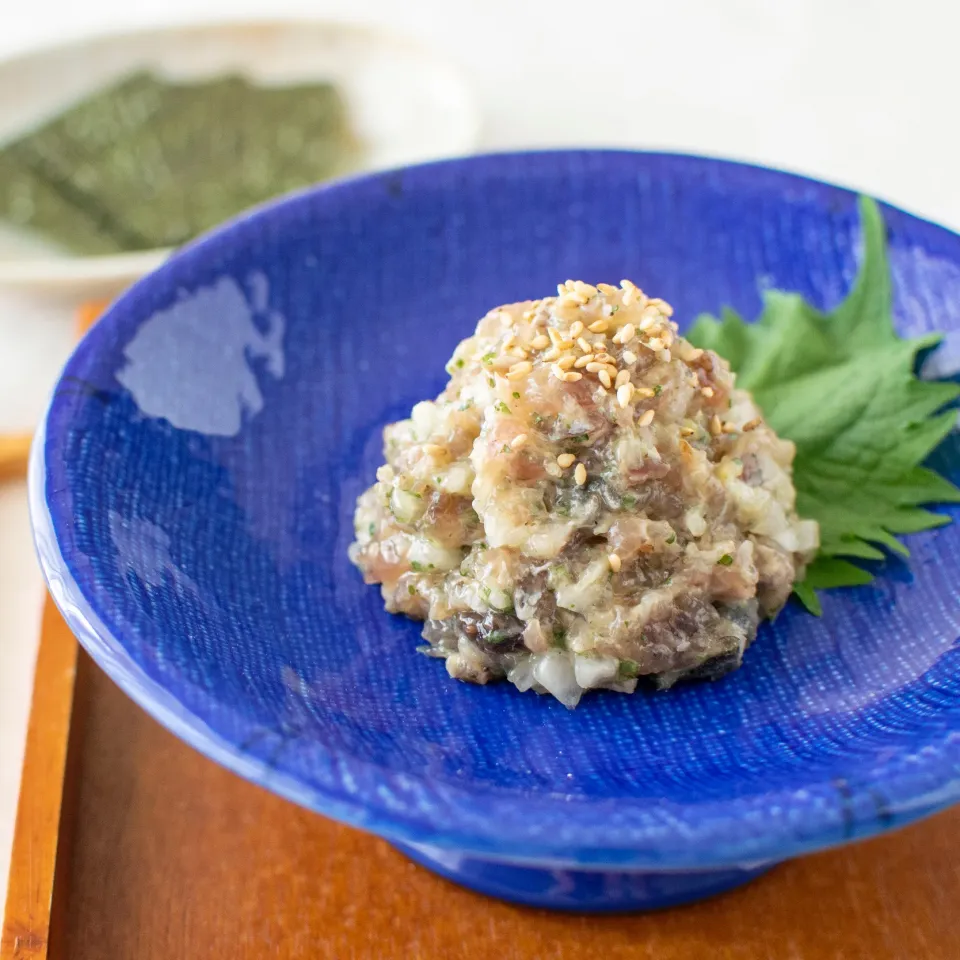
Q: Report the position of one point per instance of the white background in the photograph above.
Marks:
(864, 93)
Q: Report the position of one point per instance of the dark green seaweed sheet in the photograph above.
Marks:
(148, 163)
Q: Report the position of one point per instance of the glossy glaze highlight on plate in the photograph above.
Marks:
(192, 494)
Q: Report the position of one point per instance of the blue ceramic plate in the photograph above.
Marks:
(192, 495)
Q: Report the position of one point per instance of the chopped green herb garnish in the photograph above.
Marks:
(616, 307)
(372, 529)
(516, 394)
(466, 405)
(657, 389)
(559, 637)
(501, 407)
(841, 386)
(628, 670)
(725, 560)
(411, 589)
(537, 419)
(488, 358)
(460, 361)
(415, 565)
(671, 539)
(491, 381)
(628, 502)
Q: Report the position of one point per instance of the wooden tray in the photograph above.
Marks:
(131, 846)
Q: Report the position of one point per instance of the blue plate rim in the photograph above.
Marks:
(826, 815)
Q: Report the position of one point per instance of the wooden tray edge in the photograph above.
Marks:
(41, 832)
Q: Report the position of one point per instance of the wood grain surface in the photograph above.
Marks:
(14, 455)
(40, 855)
(174, 857)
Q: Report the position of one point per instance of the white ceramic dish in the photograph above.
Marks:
(406, 105)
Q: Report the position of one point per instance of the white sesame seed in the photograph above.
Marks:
(646, 419)
(606, 288)
(434, 450)
(564, 344)
(598, 326)
(629, 356)
(580, 475)
(627, 333)
(687, 431)
(572, 377)
(648, 321)
(729, 428)
(518, 352)
(665, 356)
(707, 392)
(518, 441)
(565, 460)
(554, 335)
(566, 362)
(752, 424)
(654, 344)
(528, 315)
(583, 361)
(628, 285)
(385, 473)
(519, 370)
(600, 345)
(595, 367)
(662, 306)
(509, 340)
(505, 319)
(584, 345)
(562, 288)
(540, 342)
(553, 469)
(644, 392)
(576, 328)
(629, 297)
(624, 394)
(550, 355)
(557, 371)
(715, 426)
(622, 377)
(605, 358)
(614, 562)
(604, 378)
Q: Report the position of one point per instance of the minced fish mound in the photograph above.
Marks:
(590, 501)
